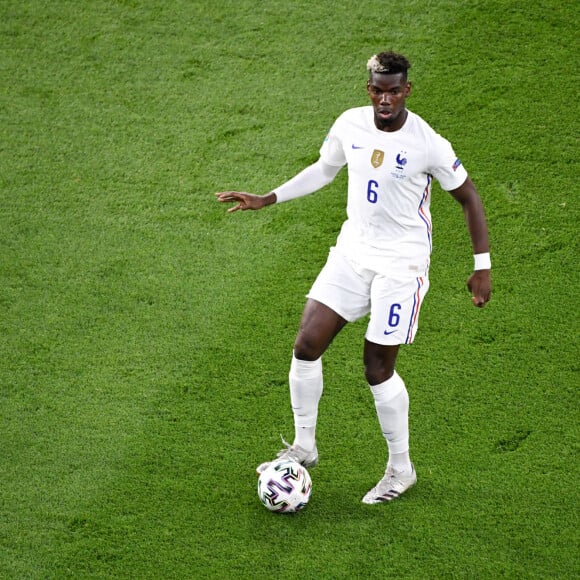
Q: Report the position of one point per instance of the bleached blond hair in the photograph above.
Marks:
(388, 63)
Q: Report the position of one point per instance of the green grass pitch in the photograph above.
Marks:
(145, 335)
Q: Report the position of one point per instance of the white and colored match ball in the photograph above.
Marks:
(285, 486)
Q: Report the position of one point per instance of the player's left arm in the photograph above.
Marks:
(479, 283)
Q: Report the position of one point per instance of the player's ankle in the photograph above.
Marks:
(400, 462)
(305, 437)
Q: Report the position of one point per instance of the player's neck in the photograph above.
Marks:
(394, 125)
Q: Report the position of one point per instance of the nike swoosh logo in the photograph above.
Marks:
(387, 332)
(355, 147)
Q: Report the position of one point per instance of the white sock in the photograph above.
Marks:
(392, 404)
(305, 391)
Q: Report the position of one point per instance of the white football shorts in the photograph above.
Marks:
(352, 292)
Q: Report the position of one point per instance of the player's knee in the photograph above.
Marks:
(378, 371)
(305, 348)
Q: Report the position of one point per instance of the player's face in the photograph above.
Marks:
(388, 93)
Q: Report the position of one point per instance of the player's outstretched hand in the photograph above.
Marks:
(479, 284)
(245, 200)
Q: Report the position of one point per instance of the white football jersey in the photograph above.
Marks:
(388, 226)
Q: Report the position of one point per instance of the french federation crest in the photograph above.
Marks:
(377, 158)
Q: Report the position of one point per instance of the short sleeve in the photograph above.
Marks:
(444, 164)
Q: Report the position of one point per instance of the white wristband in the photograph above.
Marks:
(481, 261)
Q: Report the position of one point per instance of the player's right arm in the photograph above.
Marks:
(311, 179)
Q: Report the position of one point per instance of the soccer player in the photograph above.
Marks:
(380, 263)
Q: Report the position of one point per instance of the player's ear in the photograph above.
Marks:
(409, 86)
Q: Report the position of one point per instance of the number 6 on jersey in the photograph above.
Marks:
(372, 194)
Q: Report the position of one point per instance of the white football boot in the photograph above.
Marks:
(293, 453)
(393, 484)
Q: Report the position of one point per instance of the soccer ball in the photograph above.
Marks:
(285, 486)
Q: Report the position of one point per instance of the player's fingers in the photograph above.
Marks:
(481, 301)
(478, 301)
(225, 197)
